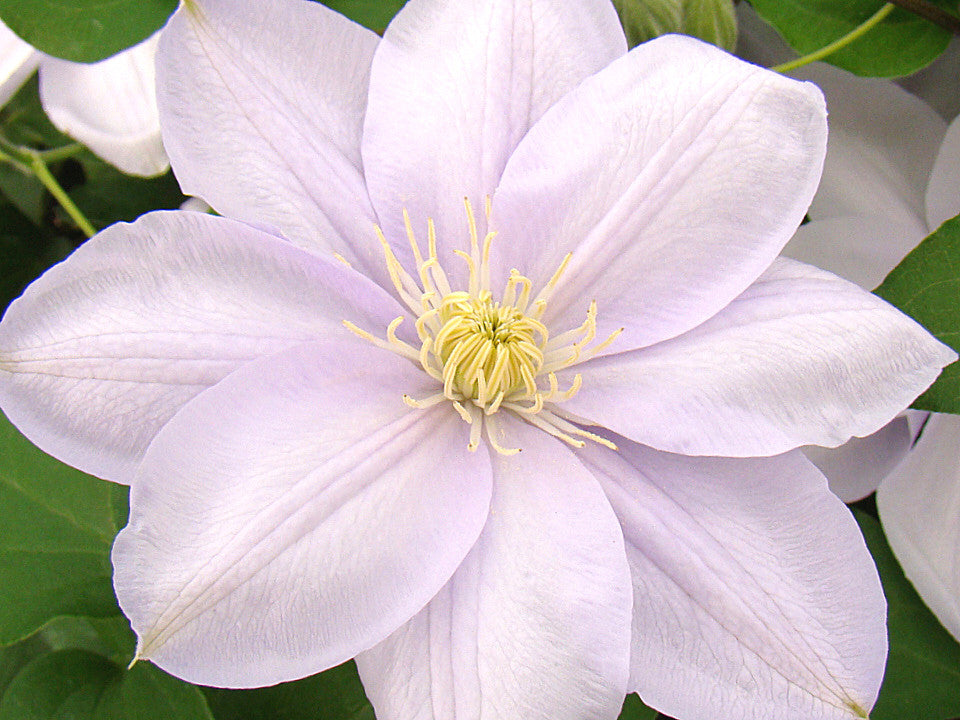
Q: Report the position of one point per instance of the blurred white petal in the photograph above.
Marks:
(17, 61)
(109, 106)
(943, 191)
(919, 506)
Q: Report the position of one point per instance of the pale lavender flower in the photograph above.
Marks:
(344, 447)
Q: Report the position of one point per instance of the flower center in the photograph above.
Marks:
(488, 349)
(488, 355)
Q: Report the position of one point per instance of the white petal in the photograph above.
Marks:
(754, 595)
(943, 192)
(855, 469)
(880, 149)
(862, 250)
(109, 106)
(294, 515)
(801, 358)
(456, 84)
(536, 622)
(104, 348)
(17, 61)
(674, 176)
(919, 506)
(262, 106)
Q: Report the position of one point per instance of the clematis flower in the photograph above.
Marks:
(110, 106)
(489, 375)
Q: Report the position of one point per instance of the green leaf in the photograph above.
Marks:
(634, 709)
(25, 194)
(332, 695)
(110, 637)
(14, 657)
(926, 286)
(82, 685)
(120, 504)
(85, 30)
(62, 684)
(372, 14)
(146, 693)
(922, 680)
(710, 20)
(900, 45)
(58, 526)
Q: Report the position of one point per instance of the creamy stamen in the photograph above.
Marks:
(487, 355)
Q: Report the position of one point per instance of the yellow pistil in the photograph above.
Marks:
(487, 355)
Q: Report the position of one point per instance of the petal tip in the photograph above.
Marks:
(948, 355)
(857, 710)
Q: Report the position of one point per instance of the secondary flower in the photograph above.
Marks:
(110, 106)
(890, 178)
(912, 160)
(440, 389)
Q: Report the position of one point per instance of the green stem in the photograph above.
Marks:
(842, 42)
(15, 162)
(34, 162)
(54, 155)
(30, 161)
(40, 169)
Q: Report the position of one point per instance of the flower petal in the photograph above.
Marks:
(855, 469)
(674, 176)
(536, 622)
(859, 249)
(17, 61)
(918, 506)
(262, 105)
(109, 106)
(880, 149)
(456, 84)
(801, 358)
(296, 514)
(104, 348)
(754, 594)
(943, 199)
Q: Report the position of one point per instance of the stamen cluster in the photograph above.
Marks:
(487, 355)
(487, 348)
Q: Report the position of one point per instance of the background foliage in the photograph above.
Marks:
(900, 45)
